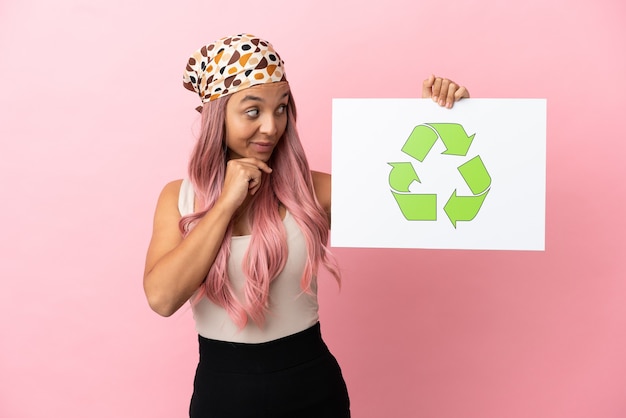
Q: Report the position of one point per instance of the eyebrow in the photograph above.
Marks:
(259, 99)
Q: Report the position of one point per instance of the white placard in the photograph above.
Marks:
(410, 174)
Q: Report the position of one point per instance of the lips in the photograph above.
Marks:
(262, 147)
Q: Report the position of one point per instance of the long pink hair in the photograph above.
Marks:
(289, 184)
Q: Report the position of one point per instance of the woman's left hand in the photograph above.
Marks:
(443, 91)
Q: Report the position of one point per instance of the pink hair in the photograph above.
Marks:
(290, 184)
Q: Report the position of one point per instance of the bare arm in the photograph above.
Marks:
(176, 267)
(322, 186)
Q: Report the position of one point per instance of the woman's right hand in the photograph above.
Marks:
(176, 267)
(243, 178)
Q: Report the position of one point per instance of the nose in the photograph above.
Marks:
(269, 125)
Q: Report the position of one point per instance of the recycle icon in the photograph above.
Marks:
(423, 207)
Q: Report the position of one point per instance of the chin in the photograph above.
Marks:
(265, 156)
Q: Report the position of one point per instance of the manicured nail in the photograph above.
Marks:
(434, 98)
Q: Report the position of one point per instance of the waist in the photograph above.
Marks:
(291, 311)
(279, 354)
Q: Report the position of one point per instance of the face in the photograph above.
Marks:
(256, 119)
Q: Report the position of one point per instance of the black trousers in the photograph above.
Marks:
(295, 376)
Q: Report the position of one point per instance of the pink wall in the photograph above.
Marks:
(94, 120)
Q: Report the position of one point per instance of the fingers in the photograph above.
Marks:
(437, 89)
(254, 184)
(461, 93)
(243, 178)
(258, 163)
(443, 91)
(449, 99)
(249, 170)
(427, 87)
(255, 176)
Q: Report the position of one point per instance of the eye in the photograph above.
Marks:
(253, 113)
(281, 109)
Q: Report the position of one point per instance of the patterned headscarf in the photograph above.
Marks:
(232, 64)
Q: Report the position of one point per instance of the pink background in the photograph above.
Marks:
(94, 121)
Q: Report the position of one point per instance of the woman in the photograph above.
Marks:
(243, 237)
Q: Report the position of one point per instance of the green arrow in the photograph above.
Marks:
(463, 208)
(401, 176)
(475, 175)
(454, 138)
(417, 207)
(420, 142)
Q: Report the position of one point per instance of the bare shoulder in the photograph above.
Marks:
(167, 205)
(322, 186)
(165, 231)
(170, 192)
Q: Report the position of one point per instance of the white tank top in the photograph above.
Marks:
(291, 310)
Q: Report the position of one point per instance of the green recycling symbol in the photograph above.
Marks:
(423, 207)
